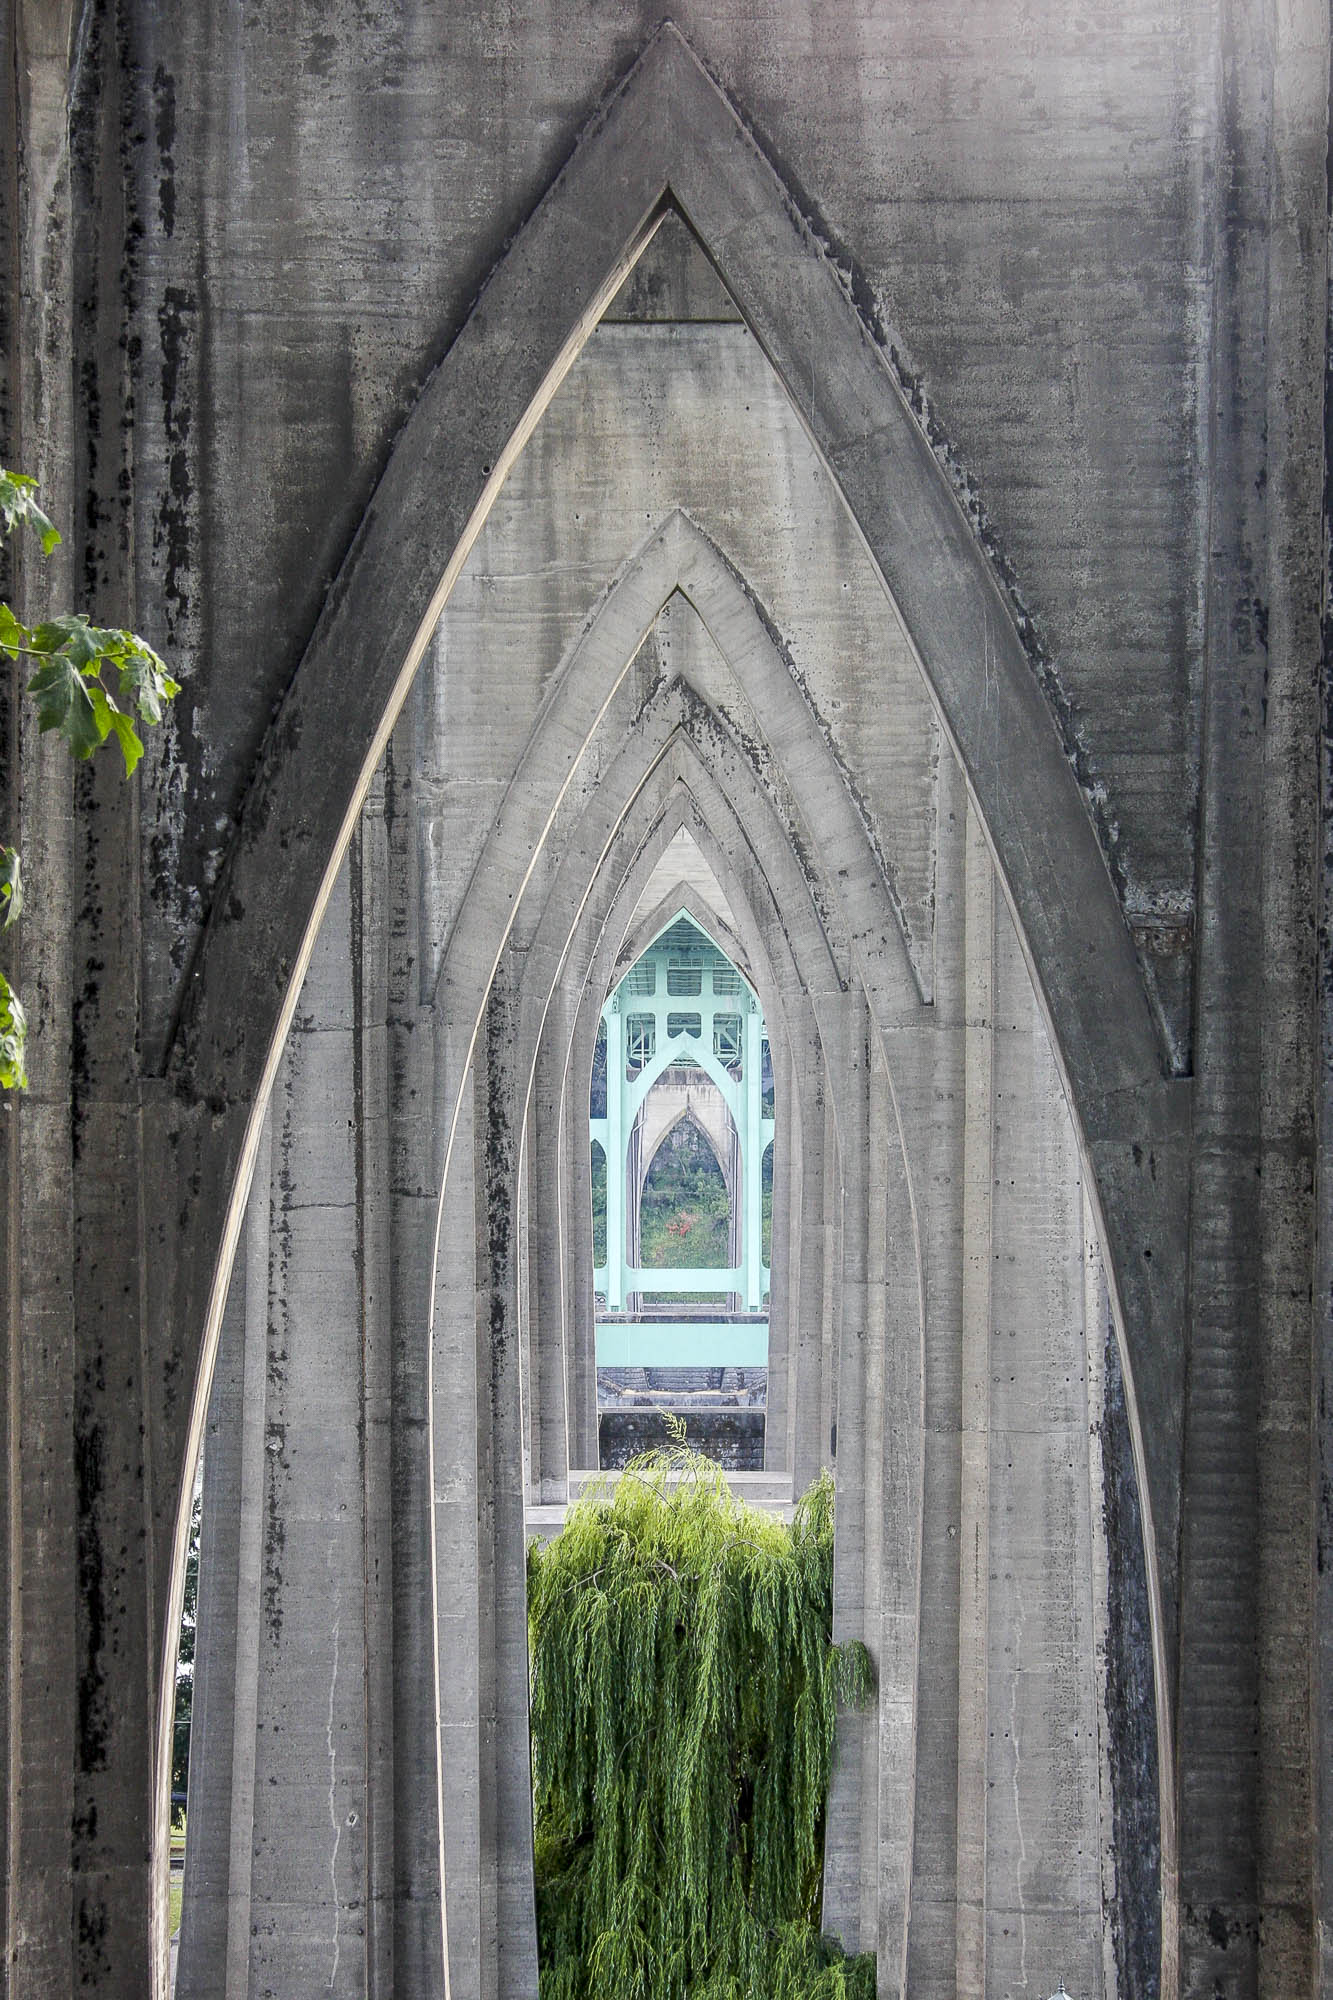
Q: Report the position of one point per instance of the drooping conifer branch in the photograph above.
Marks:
(684, 1692)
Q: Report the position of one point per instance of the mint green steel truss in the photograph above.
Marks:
(683, 1002)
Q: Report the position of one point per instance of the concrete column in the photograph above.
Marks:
(214, 1954)
(548, 1214)
(576, 1244)
(1043, 1901)
(1218, 1669)
(809, 1425)
(885, 1852)
(1293, 1766)
(309, 1855)
(832, 1302)
(933, 1937)
(617, 1151)
(1099, 1340)
(529, 1378)
(506, 1766)
(843, 1840)
(481, 1599)
(418, 1947)
(974, 1500)
(39, 1557)
(376, 892)
(784, 1285)
(284, 1626)
(459, 1666)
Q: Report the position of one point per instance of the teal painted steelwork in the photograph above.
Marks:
(697, 1343)
(684, 1003)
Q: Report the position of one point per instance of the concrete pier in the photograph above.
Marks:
(855, 475)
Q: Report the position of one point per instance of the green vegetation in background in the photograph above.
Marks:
(175, 1889)
(684, 1690)
(685, 1214)
(180, 1733)
(598, 1206)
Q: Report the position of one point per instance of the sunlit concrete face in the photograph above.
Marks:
(668, 677)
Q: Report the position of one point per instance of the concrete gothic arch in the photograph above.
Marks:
(675, 723)
(690, 1117)
(679, 558)
(839, 924)
(676, 558)
(799, 1013)
(811, 911)
(593, 951)
(669, 138)
(686, 1117)
(681, 897)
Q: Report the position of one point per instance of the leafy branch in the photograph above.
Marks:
(18, 508)
(13, 1020)
(91, 683)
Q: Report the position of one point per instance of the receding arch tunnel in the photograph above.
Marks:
(502, 864)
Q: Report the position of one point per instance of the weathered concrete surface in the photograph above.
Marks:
(1100, 248)
(694, 777)
(1061, 345)
(670, 125)
(295, 1513)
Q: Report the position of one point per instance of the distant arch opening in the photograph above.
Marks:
(680, 1275)
(686, 1210)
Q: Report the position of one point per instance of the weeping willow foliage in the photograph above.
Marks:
(684, 1688)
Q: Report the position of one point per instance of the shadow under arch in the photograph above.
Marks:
(669, 135)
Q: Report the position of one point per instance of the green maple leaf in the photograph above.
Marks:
(83, 644)
(14, 637)
(18, 507)
(113, 721)
(11, 887)
(71, 696)
(144, 680)
(13, 1039)
(65, 703)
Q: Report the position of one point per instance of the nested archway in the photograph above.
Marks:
(677, 139)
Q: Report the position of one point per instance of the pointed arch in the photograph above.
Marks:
(664, 740)
(670, 136)
(679, 558)
(687, 1116)
(683, 900)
